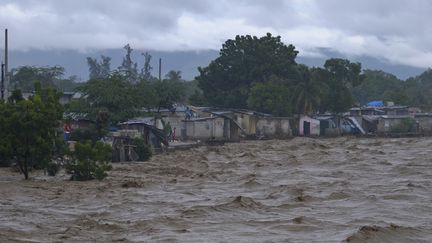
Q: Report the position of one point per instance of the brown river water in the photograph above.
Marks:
(300, 190)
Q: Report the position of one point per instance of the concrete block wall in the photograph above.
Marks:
(273, 127)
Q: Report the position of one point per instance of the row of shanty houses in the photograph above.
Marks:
(372, 121)
(231, 125)
(393, 120)
(215, 125)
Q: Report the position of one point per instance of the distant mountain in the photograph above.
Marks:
(185, 61)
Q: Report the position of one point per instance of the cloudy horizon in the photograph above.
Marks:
(397, 32)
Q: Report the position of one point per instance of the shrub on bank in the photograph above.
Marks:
(89, 161)
(143, 150)
(52, 168)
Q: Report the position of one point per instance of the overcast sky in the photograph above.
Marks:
(397, 31)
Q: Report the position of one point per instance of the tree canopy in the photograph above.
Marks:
(25, 77)
(272, 98)
(227, 80)
(341, 76)
(29, 129)
(123, 93)
(418, 90)
(114, 95)
(241, 77)
(379, 85)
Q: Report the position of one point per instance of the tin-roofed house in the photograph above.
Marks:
(309, 126)
(215, 128)
(397, 125)
(369, 123)
(176, 118)
(261, 125)
(329, 126)
(247, 120)
(369, 111)
(147, 130)
(377, 118)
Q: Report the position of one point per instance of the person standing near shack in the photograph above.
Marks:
(188, 113)
(174, 134)
(67, 130)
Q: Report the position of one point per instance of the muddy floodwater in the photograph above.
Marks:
(299, 190)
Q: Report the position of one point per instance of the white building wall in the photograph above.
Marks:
(205, 129)
(273, 127)
(314, 126)
(218, 128)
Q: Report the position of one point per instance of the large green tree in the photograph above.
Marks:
(30, 129)
(193, 93)
(227, 80)
(114, 95)
(168, 92)
(271, 97)
(418, 90)
(25, 77)
(379, 85)
(341, 76)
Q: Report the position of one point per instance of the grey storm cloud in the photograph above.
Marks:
(396, 31)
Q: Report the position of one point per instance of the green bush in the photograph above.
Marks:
(89, 161)
(143, 150)
(4, 162)
(406, 125)
(52, 168)
(4, 155)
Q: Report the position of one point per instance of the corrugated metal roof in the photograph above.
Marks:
(370, 118)
(201, 119)
(139, 120)
(394, 116)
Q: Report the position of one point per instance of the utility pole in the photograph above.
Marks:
(5, 86)
(2, 82)
(160, 69)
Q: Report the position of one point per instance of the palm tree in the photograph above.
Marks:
(309, 90)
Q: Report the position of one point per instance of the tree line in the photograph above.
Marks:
(128, 91)
(379, 85)
(31, 125)
(258, 73)
(262, 74)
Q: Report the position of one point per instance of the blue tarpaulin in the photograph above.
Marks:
(376, 103)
